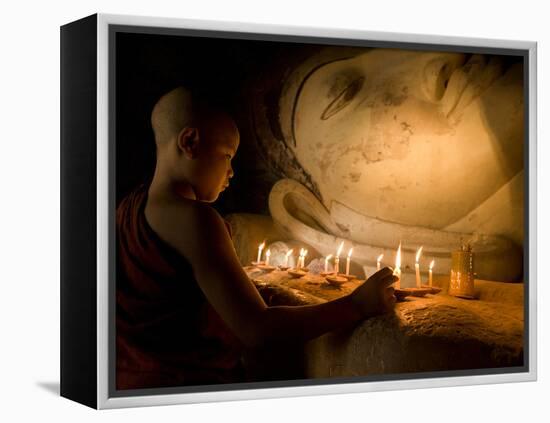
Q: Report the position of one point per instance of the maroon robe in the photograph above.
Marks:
(167, 334)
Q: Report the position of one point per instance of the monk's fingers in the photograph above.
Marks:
(386, 294)
(387, 298)
(381, 274)
(390, 302)
(387, 281)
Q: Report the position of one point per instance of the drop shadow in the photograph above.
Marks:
(51, 387)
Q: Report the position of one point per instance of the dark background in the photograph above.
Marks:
(147, 66)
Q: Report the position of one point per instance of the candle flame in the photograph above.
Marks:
(289, 252)
(350, 251)
(327, 258)
(305, 253)
(268, 252)
(260, 248)
(432, 264)
(418, 253)
(380, 257)
(340, 249)
(398, 258)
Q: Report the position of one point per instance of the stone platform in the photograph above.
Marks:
(434, 333)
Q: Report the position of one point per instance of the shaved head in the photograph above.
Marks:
(196, 140)
(173, 112)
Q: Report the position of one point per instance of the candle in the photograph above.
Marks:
(397, 270)
(267, 255)
(327, 258)
(300, 257)
(287, 255)
(430, 273)
(417, 268)
(337, 259)
(378, 260)
(260, 248)
(348, 260)
(303, 258)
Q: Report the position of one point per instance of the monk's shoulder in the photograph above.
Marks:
(182, 215)
(191, 227)
(197, 213)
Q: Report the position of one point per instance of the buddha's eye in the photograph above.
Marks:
(343, 99)
(436, 78)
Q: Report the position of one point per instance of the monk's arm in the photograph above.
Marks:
(289, 323)
(237, 300)
(207, 245)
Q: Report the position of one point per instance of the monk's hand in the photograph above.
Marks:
(375, 295)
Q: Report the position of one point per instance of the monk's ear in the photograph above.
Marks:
(188, 142)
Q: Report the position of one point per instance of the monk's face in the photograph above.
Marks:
(414, 137)
(218, 143)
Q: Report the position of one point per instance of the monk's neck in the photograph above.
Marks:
(165, 188)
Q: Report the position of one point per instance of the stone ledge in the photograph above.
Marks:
(435, 333)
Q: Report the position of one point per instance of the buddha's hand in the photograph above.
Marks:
(375, 295)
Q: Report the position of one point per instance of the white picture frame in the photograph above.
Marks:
(98, 393)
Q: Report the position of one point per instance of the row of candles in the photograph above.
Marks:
(301, 257)
(396, 271)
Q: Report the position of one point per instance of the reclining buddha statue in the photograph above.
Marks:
(378, 147)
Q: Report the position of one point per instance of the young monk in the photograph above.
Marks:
(185, 307)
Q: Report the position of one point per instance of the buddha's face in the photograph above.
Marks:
(419, 138)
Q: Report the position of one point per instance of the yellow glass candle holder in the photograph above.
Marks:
(462, 273)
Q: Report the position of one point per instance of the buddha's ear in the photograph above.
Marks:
(188, 142)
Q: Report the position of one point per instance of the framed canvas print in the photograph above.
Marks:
(253, 211)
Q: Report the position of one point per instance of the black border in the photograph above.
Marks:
(113, 29)
(78, 208)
